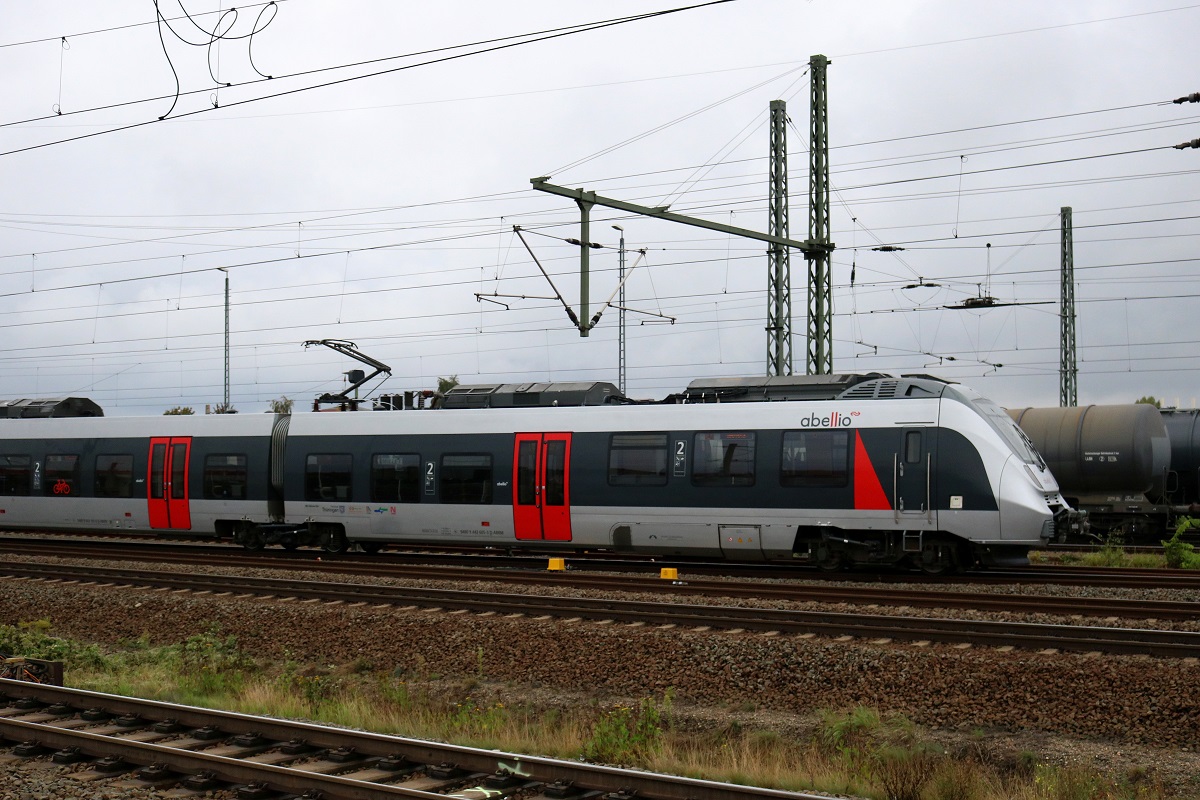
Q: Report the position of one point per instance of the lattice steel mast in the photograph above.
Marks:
(779, 261)
(820, 286)
(1068, 372)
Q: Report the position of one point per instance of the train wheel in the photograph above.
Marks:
(336, 543)
(829, 559)
(252, 540)
(370, 547)
(935, 560)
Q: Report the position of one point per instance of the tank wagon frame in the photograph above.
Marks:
(836, 470)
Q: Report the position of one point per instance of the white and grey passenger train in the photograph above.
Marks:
(835, 470)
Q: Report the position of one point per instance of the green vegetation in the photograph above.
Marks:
(1178, 553)
(178, 411)
(854, 752)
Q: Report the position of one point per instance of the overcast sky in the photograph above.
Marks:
(374, 208)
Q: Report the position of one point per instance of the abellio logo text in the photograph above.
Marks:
(835, 419)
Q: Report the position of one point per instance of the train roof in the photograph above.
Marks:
(862, 386)
(49, 407)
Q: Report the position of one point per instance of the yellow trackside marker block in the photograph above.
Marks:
(669, 574)
(557, 564)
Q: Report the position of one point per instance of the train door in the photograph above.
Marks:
(167, 483)
(913, 473)
(542, 486)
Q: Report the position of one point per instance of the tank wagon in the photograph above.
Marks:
(835, 470)
(1133, 469)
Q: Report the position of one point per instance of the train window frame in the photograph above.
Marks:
(16, 464)
(329, 477)
(60, 481)
(404, 491)
(477, 489)
(638, 458)
(228, 481)
(113, 475)
(731, 468)
(834, 474)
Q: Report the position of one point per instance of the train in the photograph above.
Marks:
(1132, 470)
(833, 470)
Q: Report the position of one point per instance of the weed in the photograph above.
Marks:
(629, 734)
(955, 780)
(1178, 553)
(314, 688)
(902, 771)
(1054, 783)
(33, 640)
(851, 738)
(210, 664)
(474, 720)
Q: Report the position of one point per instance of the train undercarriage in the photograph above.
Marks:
(933, 553)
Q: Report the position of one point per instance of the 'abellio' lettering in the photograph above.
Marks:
(834, 420)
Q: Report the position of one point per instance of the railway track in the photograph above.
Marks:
(400, 558)
(790, 592)
(164, 744)
(881, 628)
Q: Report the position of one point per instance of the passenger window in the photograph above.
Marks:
(396, 478)
(158, 458)
(225, 477)
(114, 475)
(15, 476)
(327, 476)
(815, 459)
(466, 478)
(912, 447)
(723, 459)
(637, 459)
(527, 473)
(62, 475)
(179, 470)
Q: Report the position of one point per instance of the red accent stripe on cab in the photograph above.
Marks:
(868, 492)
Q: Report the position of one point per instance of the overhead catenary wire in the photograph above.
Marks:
(534, 38)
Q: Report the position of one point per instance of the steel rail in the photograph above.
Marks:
(791, 591)
(1173, 644)
(521, 773)
(160, 550)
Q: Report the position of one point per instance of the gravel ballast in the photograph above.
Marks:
(1130, 704)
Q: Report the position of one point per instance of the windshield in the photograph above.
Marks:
(1003, 424)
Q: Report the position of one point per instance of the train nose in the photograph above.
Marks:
(1024, 511)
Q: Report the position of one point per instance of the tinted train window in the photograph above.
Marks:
(396, 478)
(62, 475)
(637, 459)
(723, 459)
(527, 473)
(114, 475)
(912, 447)
(327, 476)
(158, 457)
(15, 474)
(225, 477)
(815, 458)
(466, 479)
